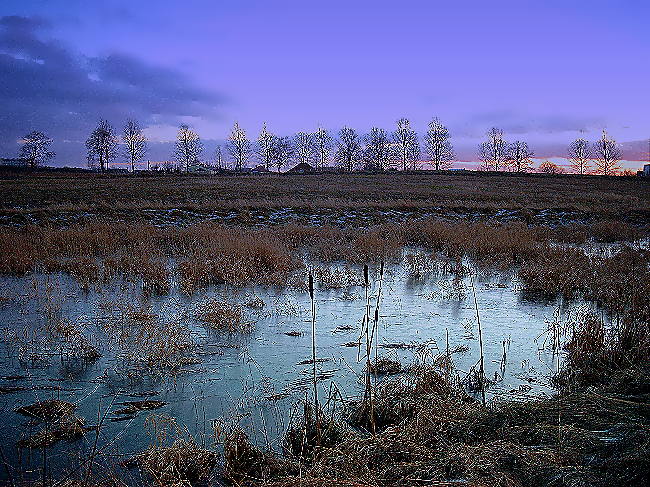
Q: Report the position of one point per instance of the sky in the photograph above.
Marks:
(543, 71)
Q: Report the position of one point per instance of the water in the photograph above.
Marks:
(255, 379)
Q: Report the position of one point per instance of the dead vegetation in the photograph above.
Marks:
(67, 428)
(173, 457)
(205, 254)
(430, 432)
(48, 410)
(182, 463)
(224, 316)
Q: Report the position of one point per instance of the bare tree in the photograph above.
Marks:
(348, 149)
(35, 149)
(239, 147)
(580, 155)
(135, 142)
(102, 145)
(218, 158)
(493, 152)
(518, 156)
(378, 150)
(264, 143)
(323, 142)
(607, 155)
(438, 146)
(281, 151)
(407, 144)
(188, 147)
(304, 149)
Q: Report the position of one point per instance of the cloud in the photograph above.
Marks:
(50, 87)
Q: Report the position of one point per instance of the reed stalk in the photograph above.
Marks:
(481, 369)
(313, 351)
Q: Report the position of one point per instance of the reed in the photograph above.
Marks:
(481, 369)
(313, 355)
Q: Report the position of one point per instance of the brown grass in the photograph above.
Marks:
(221, 315)
(431, 433)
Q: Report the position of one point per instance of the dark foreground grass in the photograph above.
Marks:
(431, 433)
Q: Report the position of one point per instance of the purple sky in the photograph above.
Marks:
(542, 71)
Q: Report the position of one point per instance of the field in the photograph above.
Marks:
(45, 196)
(349, 330)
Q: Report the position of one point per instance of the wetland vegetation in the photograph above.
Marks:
(469, 330)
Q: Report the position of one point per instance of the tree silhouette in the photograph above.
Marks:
(438, 146)
(264, 142)
(35, 149)
(348, 149)
(407, 144)
(281, 151)
(607, 155)
(323, 143)
(378, 151)
(239, 147)
(518, 156)
(304, 149)
(493, 151)
(188, 147)
(548, 167)
(102, 145)
(218, 158)
(580, 155)
(135, 142)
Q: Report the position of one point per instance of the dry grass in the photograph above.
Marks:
(206, 254)
(69, 428)
(182, 463)
(48, 410)
(221, 315)
(431, 433)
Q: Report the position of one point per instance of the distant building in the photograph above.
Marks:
(260, 169)
(646, 170)
(301, 168)
(13, 161)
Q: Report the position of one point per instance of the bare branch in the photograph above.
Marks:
(438, 146)
(35, 149)
(102, 145)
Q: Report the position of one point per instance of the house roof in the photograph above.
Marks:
(301, 167)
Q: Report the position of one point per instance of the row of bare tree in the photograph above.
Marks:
(378, 150)
(603, 155)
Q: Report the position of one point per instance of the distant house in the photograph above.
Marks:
(301, 168)
(13, 161)
(260, 169)
(201, 168)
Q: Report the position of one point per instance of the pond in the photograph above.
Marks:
(252, 378)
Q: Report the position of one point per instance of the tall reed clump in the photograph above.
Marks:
(370, 335)
(481, 368)
(313, 355)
